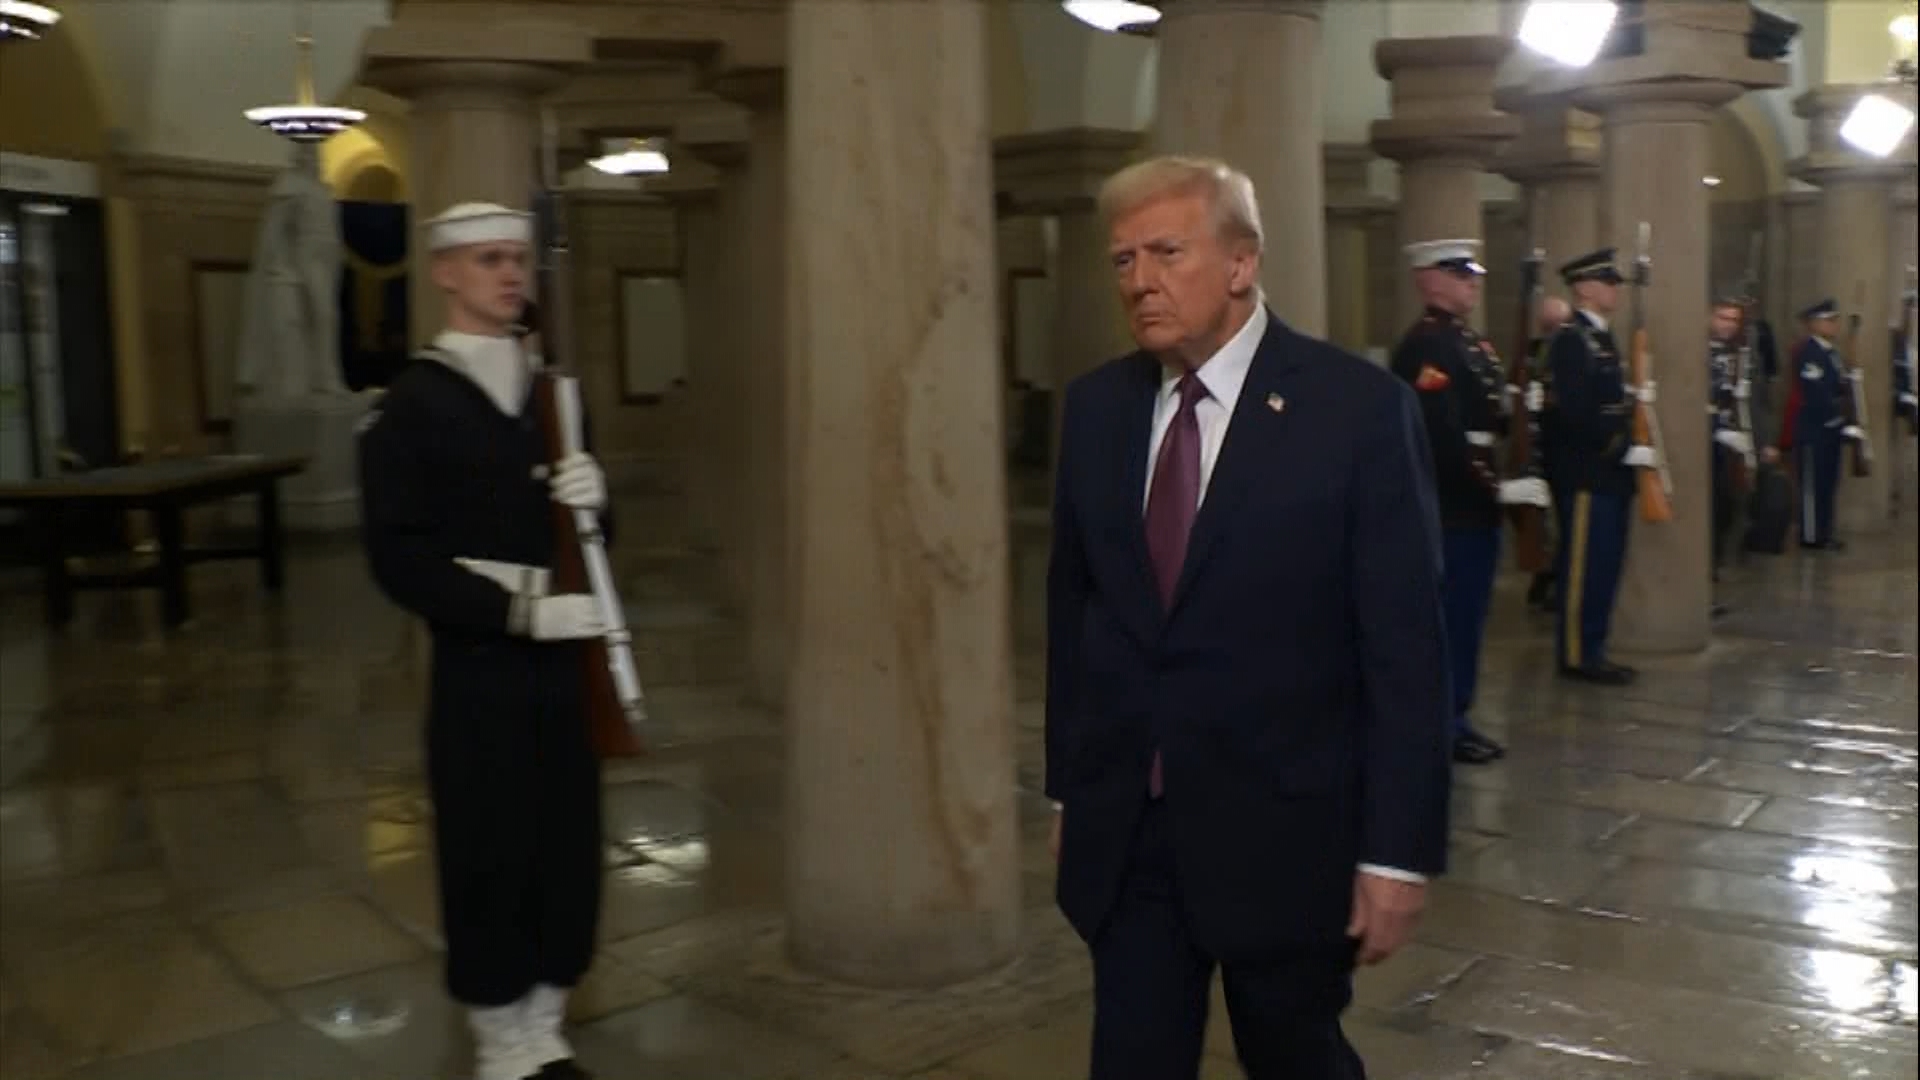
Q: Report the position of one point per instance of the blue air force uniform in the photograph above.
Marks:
(1819, 423)
(1589, 437)
(1462, 391)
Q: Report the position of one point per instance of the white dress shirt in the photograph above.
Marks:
(1223, 374)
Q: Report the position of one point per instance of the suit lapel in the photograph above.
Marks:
(1142, 391)
(1251, 429)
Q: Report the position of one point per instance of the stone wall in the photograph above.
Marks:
(615, 233)
(191, 217)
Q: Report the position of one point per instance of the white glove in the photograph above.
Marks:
(1737, 441)
(1536, 398)
(1640, 457)
(1742, 390)
(527, 581)
(579, 483)
(1531, 491)
(568, 617)
(1851, 432)
(1643, 392)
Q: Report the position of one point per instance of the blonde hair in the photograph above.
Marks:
(1229, 193)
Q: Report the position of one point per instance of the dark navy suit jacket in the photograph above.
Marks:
(1298, 687)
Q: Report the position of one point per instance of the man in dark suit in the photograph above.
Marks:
(1247, 690)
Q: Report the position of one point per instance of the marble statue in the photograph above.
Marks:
(290, 399)
(289, 345)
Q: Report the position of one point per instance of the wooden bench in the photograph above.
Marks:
(165, 489)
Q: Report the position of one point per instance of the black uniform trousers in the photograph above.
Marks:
(516, 795)
(1151, 985)
(1726, 503)
(1817, 458)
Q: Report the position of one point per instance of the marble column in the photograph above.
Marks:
(473, 131)
(1241, 80)
(1443, 130)
(1058, 174)
(902, 866)
(764, 382)
(1556, 162)
(1658, 109)
(720, 343)
(1857, 264)
(1350, 208)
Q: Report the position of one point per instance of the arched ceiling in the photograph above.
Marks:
(172, 76)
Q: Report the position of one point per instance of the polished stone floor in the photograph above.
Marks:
(214, 856)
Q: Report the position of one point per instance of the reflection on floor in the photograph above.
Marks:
(214, 858)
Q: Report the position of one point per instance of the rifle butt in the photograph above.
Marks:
(1655, 507)
(1529, 538)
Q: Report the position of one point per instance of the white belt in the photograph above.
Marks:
(516, 578)
(1480, 438)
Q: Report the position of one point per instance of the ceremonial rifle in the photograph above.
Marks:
(616, 704)
(1523, 454)
(1904, 363)
(1862, 450)
(1743, 464)
(1655, 484)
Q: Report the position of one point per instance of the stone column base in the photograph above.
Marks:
(326, 497)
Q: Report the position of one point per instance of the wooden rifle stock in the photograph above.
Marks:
(1861, 449)
(607, 723)
(1656, 505)
(615, 703)
(1655, 485)
(1529, 524)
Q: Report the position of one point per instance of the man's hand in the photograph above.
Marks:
(1384, 913)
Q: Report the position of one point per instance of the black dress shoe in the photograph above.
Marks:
(1599, 674)
(1470, 751)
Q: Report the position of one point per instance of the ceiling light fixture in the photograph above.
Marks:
(23, 21)
(304, 121)
(1879, 123)
(1113, 16)
(1569, 32)
(641, 157)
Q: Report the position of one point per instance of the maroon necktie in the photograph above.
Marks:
(1172, 503)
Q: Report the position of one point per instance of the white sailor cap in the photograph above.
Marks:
(1445, 255)
(478, 223)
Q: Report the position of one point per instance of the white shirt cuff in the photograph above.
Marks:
(1394, 873)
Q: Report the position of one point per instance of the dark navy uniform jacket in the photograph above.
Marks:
(1822, 394)
(1461, 389)
(1592, 413)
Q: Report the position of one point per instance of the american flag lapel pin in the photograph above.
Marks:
(1276, 403)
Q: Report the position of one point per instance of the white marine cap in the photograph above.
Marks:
(1445, 255)
(477, 223)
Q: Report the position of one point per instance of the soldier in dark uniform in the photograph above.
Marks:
(1818, 424)
(1591, 457)
(1553, 313)
(457, 500)
(1462, 392)
(1732, 446)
